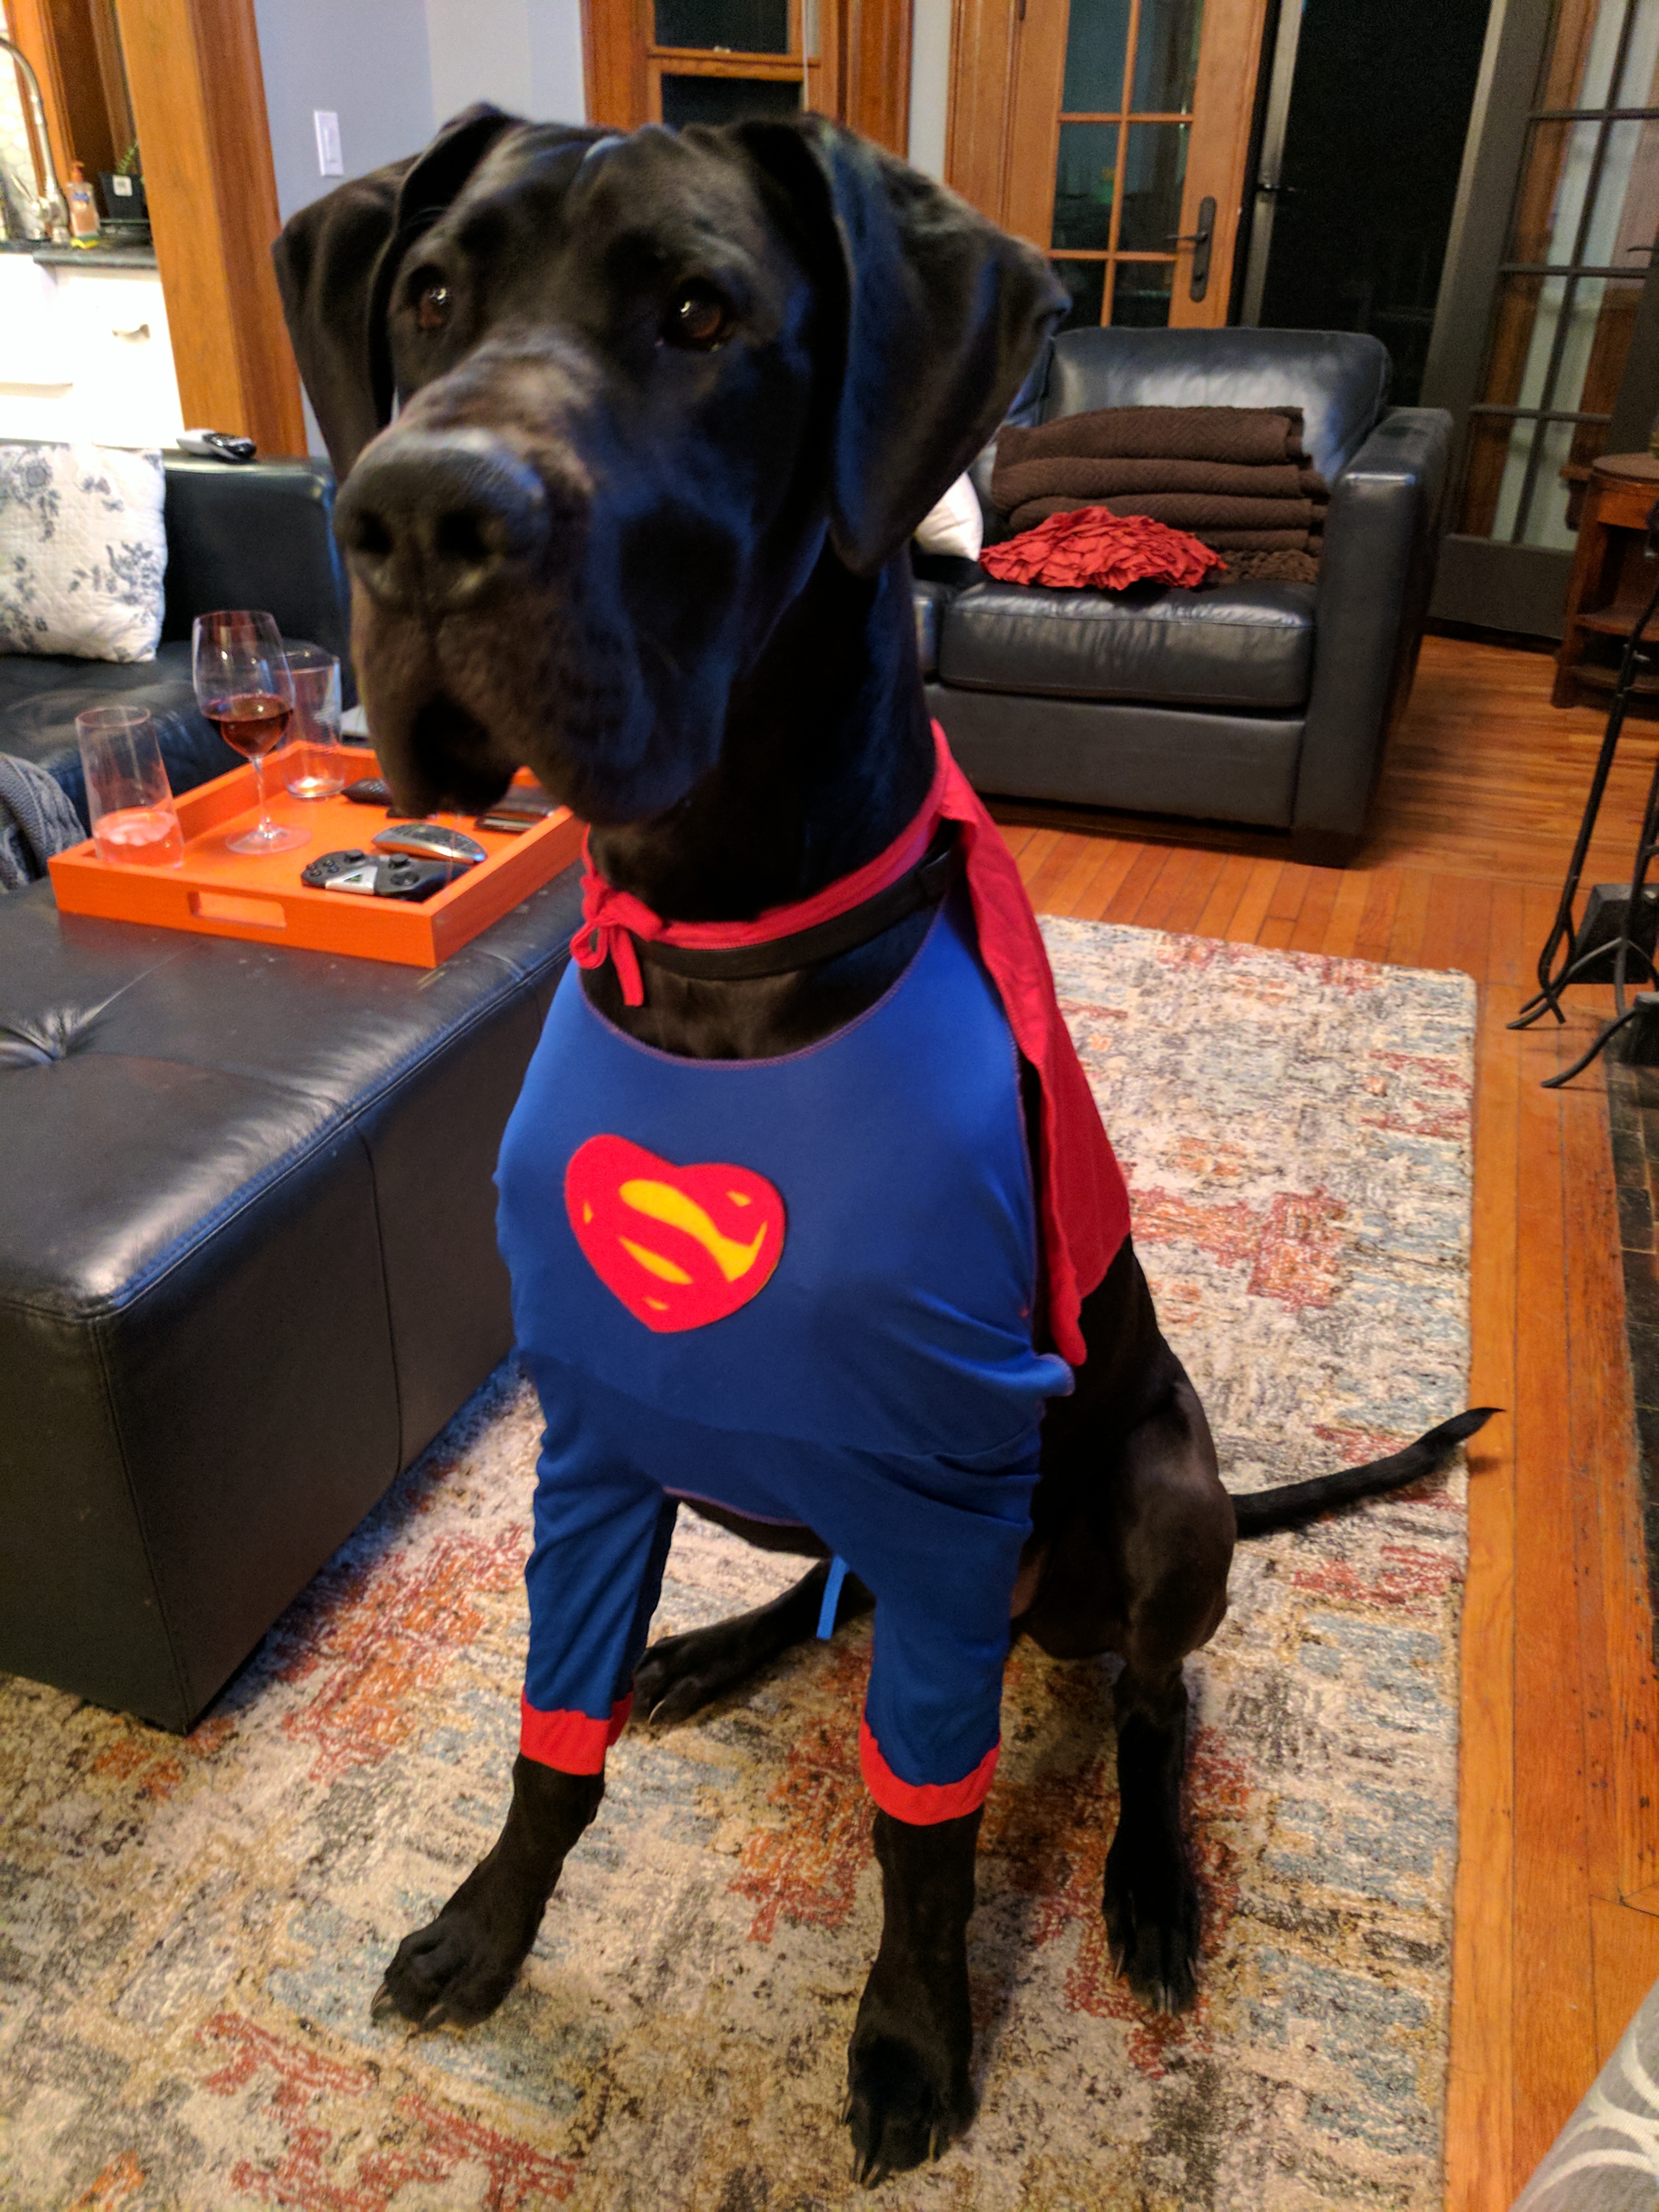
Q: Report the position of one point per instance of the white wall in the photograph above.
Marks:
(369, 62)
(930, 83)
(393, 69)
(557, 93)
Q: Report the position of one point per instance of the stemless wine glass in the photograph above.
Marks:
(244, 688)
(311, 762)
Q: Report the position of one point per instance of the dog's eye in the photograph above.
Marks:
(698, 319)
(432, 306)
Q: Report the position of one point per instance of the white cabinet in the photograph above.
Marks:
(85, 354)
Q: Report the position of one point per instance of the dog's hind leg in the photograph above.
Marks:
(682, 1674)
(1140, 1568)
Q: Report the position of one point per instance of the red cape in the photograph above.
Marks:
(1081, 1192)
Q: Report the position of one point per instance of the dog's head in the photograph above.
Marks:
(639, 381)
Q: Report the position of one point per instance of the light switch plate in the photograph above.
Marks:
(329, 163)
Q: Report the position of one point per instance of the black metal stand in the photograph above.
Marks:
(1562, 939)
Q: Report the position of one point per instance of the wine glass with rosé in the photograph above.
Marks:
(244, 688)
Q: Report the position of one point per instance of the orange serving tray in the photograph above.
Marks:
(259, 897)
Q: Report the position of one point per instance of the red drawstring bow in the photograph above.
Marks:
(611, 919)
(1085, 1200)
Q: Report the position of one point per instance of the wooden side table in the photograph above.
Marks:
(1610, 579)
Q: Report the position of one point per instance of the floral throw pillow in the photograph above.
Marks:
(83, 552)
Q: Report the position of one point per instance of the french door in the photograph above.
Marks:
(1540, 346)
(1115, 134)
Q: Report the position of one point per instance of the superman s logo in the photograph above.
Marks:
(680, 1247)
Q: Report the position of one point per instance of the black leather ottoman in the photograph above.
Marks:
(247, 1269)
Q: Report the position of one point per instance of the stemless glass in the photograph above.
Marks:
(129, 799)
(311, 761)
(244, 688)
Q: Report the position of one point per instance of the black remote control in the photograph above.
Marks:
(369, 791)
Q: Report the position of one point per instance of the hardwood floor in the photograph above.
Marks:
(1557, 1933)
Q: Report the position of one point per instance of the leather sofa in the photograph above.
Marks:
(258, 536)
(248, 1251)
(1264, 703)
(247, 1268)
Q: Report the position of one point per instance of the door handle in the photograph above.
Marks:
(1199, 241)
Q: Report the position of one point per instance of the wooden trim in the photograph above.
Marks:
(32, 28)
(670, 61)
(613, 63)
(1028, 200)
(199, 104)
(984, 35)
(72, 47)
(1230, 60)
(876, 90)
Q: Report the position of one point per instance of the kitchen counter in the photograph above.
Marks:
(81, 257)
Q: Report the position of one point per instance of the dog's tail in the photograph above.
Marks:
(1260, 1511)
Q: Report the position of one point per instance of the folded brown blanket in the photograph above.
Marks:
(1013, 483)
(1234, 477)
(1270, 568)
(1195, 511)
(1253, 435)
(1262, 525)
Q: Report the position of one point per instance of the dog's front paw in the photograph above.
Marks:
(1151, 1906)
(458, 1967)
(908, 2095)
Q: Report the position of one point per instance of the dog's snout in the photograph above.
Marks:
(439, 522)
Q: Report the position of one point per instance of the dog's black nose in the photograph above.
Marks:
(439, 521)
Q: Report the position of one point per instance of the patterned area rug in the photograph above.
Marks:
(191, 1930)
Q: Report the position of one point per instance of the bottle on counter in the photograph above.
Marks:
(82, 208)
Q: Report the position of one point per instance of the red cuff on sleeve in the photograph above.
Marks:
(922, 1803)
(575, 1743)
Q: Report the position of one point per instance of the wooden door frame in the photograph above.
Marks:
(198, 101)
(1002, 134)
(861, 74)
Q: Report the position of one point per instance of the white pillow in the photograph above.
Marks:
(956, 525)
(83, 550)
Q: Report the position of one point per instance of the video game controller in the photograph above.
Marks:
(402, 877)
(322, 870)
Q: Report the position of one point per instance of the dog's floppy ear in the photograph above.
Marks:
(939, 314)
(335, 263)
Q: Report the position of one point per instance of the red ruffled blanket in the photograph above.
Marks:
(1089, 548)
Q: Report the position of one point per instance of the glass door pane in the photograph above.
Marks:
(1584, 227)
(718, 61)
(688, 98)
(739, 27)
(1120, 170)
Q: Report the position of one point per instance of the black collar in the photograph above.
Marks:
(920, 887)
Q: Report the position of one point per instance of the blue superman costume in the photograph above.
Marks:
(803, 1289)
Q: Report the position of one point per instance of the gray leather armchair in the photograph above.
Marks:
(1265, 704)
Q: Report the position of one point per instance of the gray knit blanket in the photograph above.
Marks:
(36, 821)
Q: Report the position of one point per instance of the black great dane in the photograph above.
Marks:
(667, 410)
